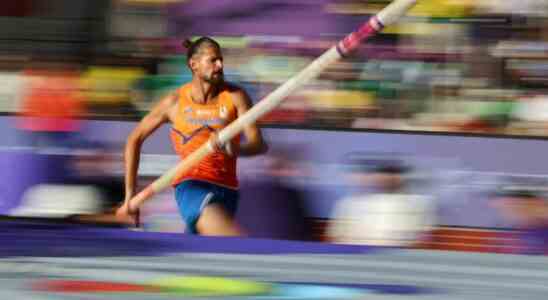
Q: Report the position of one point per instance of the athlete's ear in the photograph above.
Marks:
(193, 64)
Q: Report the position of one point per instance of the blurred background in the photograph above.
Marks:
(450, 66)
(425, 132)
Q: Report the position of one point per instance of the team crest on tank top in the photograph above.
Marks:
(223, 113)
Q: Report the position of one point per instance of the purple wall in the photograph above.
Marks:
(251, 17)
(474, 153)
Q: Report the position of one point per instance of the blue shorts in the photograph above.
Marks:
(193, 196)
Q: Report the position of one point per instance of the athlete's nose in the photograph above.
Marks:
(219, 65)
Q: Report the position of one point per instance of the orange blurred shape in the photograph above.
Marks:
(51, 102)
(81, 286)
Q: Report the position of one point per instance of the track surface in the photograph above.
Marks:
(31, 254)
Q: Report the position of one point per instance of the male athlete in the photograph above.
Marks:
(207, 194)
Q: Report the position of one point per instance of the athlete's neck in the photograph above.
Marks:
(202, 92)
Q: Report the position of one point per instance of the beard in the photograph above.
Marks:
(215, 78)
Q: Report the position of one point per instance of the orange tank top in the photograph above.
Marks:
(192, 127)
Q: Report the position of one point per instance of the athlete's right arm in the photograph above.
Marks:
(158, 115)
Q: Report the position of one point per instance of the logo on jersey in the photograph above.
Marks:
(223, 112)
(204, 113)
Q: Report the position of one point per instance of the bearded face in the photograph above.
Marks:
(208, 65)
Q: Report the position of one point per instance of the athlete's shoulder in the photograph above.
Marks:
(237, 93)
(180, 92)
(183, 87)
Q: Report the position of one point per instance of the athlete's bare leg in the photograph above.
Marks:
(214, 221)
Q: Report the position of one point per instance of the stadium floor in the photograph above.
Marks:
(56, 261)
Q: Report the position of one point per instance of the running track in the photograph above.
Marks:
(32, 253)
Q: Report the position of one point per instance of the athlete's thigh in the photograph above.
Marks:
(215, 220)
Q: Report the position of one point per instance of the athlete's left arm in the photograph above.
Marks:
(253, 144)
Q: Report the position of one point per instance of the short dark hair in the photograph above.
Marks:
(194, 47)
